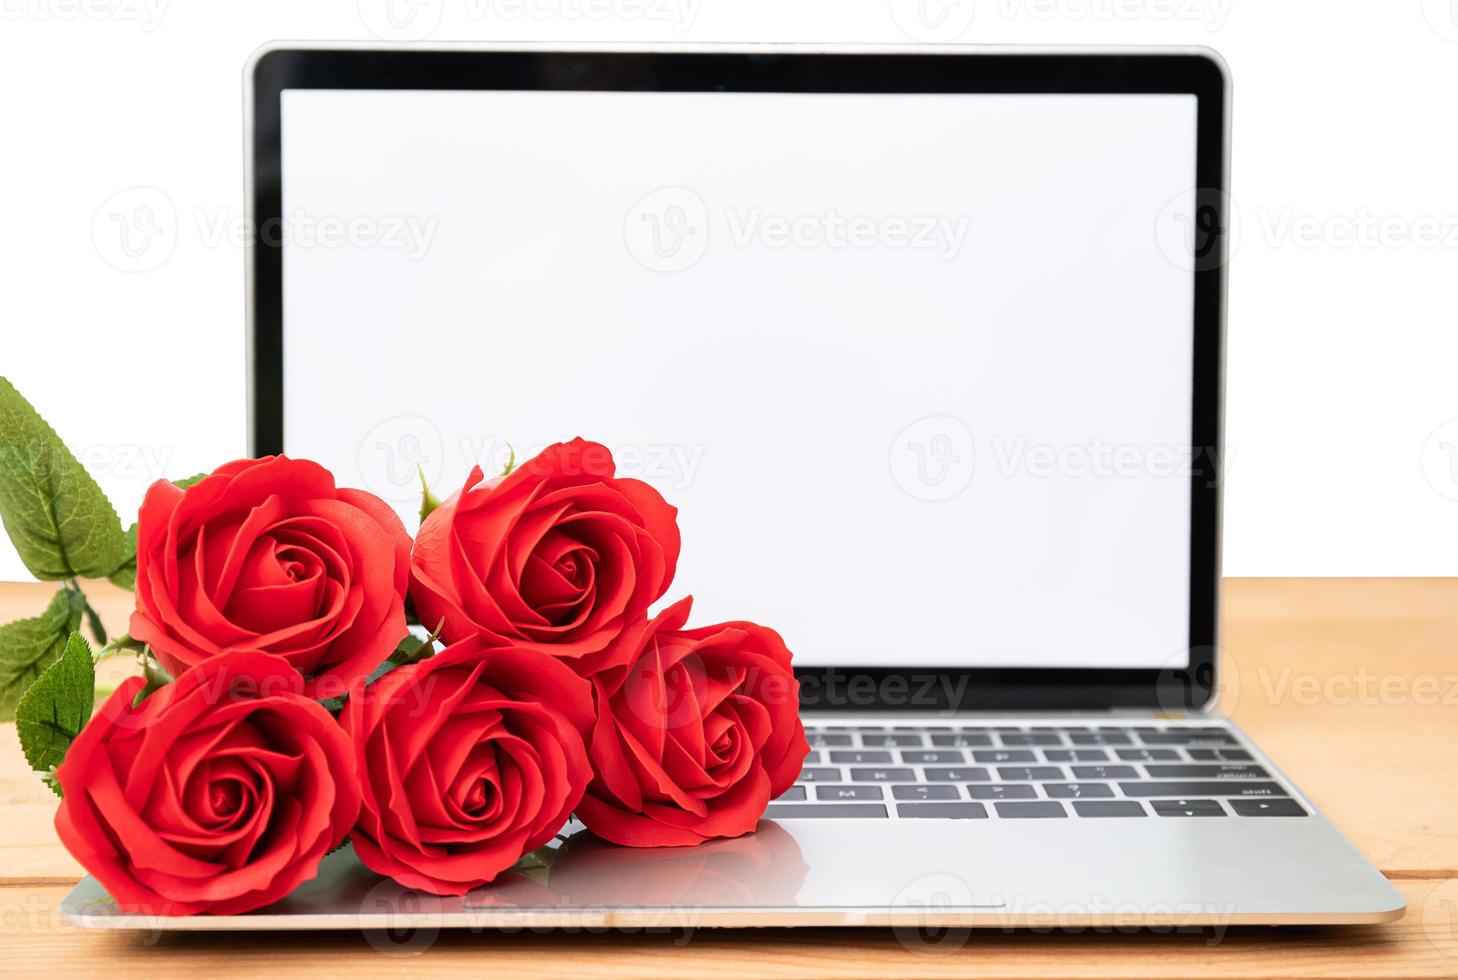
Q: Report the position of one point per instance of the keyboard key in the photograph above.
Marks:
(820, 740)
(1105, 772)
(848, 793)
(1020, 773)
(1109, 808)
(1184, 738)
(1075, 755)
(1207, 772)
(793, 811)
(813, 759)
(859, 756)
(923, 757)
(1101, 738)
(887, 775)
(1077, 791)
(793, 793)
(924, 791)
(1003, 791)
(814, 775)
(922, 728)
(963, 741)
(969, 774)
(1148, 755)
(1233, 787)
(1037, 738)
(954, 811)
(1004, 755)
(1042, 808)
(1188, 808)
(1219, 755)
(1267, 808)
(895, 738)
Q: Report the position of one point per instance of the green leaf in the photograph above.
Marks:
(336, 704)
(413, 648)
(510, 460)
(428, 500)
(186, 482)
(61, 523)
(29, 646)
(125, 574)
(408, 650)
(56, 708)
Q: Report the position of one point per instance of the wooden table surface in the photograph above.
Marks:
(1350, 685)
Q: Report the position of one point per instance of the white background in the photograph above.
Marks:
(1342, 340)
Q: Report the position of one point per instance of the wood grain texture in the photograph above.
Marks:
(1351, 686)
(34, 941)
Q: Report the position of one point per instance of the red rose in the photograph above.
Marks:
(558, 556)
(469, 759)
(267, 555)
(697, 730)
(219, 793)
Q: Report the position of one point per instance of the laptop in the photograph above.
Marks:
(925, 344)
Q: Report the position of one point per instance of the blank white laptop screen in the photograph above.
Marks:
(914, 368)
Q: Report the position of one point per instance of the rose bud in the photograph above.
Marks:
(268, 555)
(558, 556)
(218, 793)
(697, 730)
(468, 759)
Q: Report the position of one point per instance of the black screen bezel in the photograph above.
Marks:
(1181, 687)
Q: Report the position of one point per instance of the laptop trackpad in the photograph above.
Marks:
(935, 865)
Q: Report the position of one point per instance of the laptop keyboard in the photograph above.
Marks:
(1034, 772)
